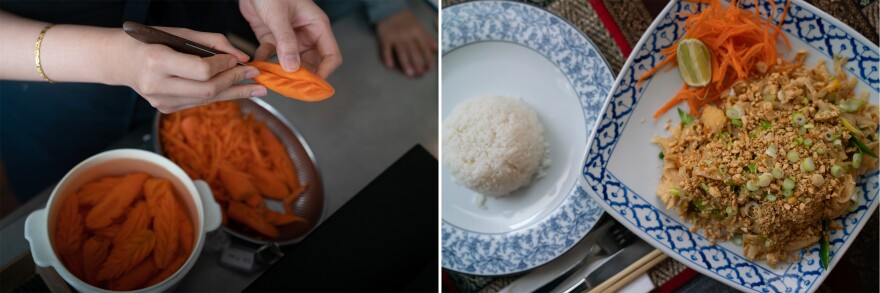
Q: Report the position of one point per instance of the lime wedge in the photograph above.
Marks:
(694, 63)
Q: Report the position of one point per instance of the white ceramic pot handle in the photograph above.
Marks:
(213, 216)
(36, 231)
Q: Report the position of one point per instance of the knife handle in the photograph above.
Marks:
(150, 35)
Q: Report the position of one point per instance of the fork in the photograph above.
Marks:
(615, 239)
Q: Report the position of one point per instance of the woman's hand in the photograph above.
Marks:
(173, 81)
(297, 30)
(401, 35)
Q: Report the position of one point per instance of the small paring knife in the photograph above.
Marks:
(150, 35)
(612, 266)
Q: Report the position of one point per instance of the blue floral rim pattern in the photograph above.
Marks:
(579, 60)
(664, 230)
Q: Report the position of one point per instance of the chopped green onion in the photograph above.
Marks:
(799, 141)
(856, 160)
(753, 168)
(771, 151)
(736, 122)
(853, 206)
(730, 211)
(824, 246)
(809, 126)
(830, 136)
(685, 117)
(660, 155)
(805, 101)
(751, 185)
(861, 146)
(717, 214)
(733, 113)
(698, 203)
(808, 142)
(836, 171)
(765, 179)
(851, 105)
(808, 165)
(802, 198)
(850, 127)
(788, 184)
(704, 186)
(675, 191)
(837, 143)
(765, 125)
(820, 150)
(777, 173)
(738, 240)
(770, 197)
(793, 156)
(798, 119)
(787, 193)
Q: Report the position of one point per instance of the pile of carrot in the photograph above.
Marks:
(302, 84)
(240, 158)
(737, 39)
(123, 233)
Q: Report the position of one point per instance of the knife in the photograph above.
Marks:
(610, 266)
(150, 35)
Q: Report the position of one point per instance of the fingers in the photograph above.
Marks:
(416, 58)
(403, 59)
(197, 68)
(387, 55)
(329, 51)
(285, 41)
(179, 93)
(264, 51)
(427, 54)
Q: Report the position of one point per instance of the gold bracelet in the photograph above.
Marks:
(37, 52)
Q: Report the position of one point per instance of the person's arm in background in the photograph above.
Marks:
(169, 80)
(402, 36)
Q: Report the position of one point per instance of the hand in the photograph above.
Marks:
(173, 81)
(297, 29)
(409, 41)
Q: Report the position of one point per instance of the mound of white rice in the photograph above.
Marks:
(494, 145)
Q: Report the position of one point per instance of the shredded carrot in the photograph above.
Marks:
(242, 160)
(738, 40)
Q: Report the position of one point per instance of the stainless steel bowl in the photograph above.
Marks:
(309, 206)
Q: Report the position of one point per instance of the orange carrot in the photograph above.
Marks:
(165, 221)
(238, 184)
(138, 219)
(186, 230)
(69, 234)
(74, 263)
(125, 256)
(279, 219)
(254, 201)
(121, 196)
(135, 278)
(95, 251)
(738, 41)
(302, 84)
(109, 232)
(90, 193)
(168, 271)
(269, 183)
(251, 217)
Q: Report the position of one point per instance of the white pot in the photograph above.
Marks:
(195, 195)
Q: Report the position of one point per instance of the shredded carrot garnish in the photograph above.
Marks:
(738, 40)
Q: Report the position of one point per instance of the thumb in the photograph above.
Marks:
(285, 42)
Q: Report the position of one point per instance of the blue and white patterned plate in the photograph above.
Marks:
(514, 49)
(622, 170)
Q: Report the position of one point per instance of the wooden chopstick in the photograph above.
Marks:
(631, 272)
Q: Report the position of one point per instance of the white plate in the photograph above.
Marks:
(517, 50)
(622, 168)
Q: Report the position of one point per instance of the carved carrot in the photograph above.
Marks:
(95, 251)
(302, 84)
(113, 205)
(165, 221)
(237, 183)
(270, 184)
(251, 217)
(125, 256)
(74, 263)
(135, 278)
(279, 219)
(278, 154)
(168, 271)
(138, 219)
(90, 193)
(109, 232)
(186, 230)
(69, 234)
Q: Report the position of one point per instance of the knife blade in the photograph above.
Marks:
(151, 35)
(611, 266)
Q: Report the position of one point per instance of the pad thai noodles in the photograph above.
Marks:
(778, 157)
